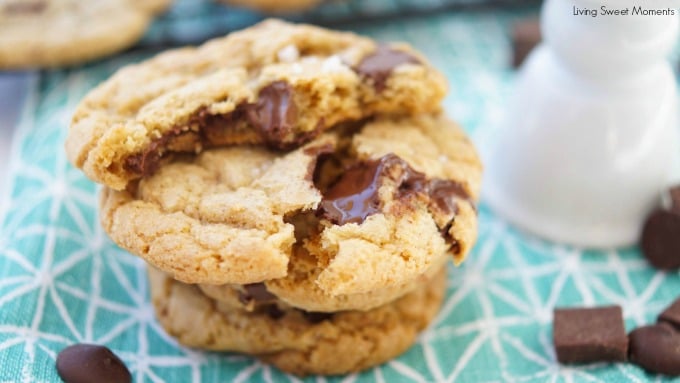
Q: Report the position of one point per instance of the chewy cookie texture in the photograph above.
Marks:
(296, 192)
(296, 341)
(49, 33)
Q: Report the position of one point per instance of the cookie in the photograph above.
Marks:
(274, 6)
(50, 33)
(299, 290)
(295, 341)
(364, 210)
(275, 84)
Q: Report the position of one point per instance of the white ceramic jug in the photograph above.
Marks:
(591, 137)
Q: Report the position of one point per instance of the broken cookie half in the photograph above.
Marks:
(276, 84)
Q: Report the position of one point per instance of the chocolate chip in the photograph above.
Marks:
(661, 239)
(671, 314)
(274, 113)
(583, 335)
(275, 312)
(656, 348)
(526, 34)
(255, 292)
(379, 65)
(354, 196)
(87, 363)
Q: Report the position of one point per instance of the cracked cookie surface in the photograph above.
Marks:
(48, 33)
(242, 215)
(275, 84)
(294, 341)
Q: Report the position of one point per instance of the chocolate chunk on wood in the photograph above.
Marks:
(656, 348)
(661, 239)
(672, 314)
(87, 363)
(526, 34)
(584, 335)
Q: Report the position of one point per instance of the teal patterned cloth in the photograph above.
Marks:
(63, 281)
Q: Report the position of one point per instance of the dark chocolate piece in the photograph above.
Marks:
(354, 196)
(379, 65)
(25, 7)
(526, 34)
(273, 117)
(672, 314)
(674, 193)
(316, 152)
(274, 114)
(316, 317)
(255, 292)
(661, 239)
(275, 312)
(584, 335)
(87, 363)
(656, 348)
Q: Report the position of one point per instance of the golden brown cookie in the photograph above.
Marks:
(295, 341)
(352, 220)
(49, 33)
(275, 84)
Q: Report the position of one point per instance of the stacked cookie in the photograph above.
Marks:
(295, 191)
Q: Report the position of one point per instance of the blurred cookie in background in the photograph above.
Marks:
(52, 33)
(274, 6)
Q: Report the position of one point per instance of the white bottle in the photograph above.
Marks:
(591, 137)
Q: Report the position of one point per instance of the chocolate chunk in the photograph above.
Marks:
(316, 317)
(661, 239)
(583, 335)
(441, 193)
(656, 348)
(316, 152)
(672, 314)
(379, 65)
(274, 113)
(87, 363)
(354, 196)
(255, 292)
(275, 312)
(25, 7)
(526, 35)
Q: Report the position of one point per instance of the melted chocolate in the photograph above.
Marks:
(272, 116)
(316, 152)
(316, 317)
(275, 312)
(354, 196)
(379, 65)
(255, 292)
